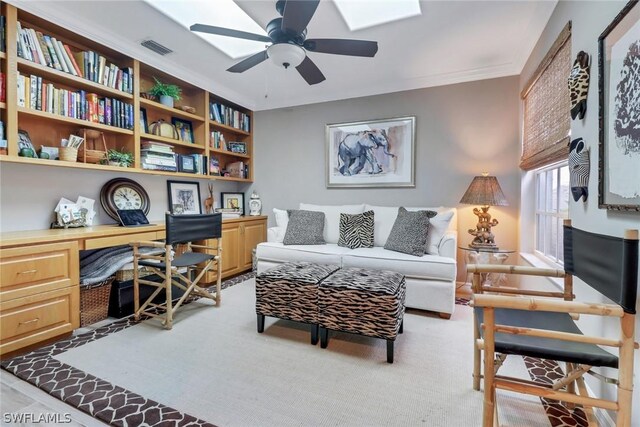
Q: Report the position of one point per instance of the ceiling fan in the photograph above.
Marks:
(289, 43)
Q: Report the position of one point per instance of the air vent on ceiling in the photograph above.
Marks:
(156, 47)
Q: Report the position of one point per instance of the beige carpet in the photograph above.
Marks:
(215, 366)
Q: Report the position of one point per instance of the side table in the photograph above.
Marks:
(487, 256)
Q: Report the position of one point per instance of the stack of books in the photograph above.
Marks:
(217, 140)
(229, 116)
(46, 50)
(158, 156)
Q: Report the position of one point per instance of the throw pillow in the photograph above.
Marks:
(304, 228)
(438, 227)
(410, 231)
(356, 231)
(282, 219)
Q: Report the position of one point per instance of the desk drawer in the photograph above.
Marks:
(30, 270)
(29, 320)
(104, 242)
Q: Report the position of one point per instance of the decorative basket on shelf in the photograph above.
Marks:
(96, 152)
(94, 302)
(68, 154)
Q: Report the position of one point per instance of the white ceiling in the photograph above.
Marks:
(451, 42)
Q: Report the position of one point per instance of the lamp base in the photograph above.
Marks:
(483, 237)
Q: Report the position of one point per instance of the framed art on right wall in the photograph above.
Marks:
(619, 145)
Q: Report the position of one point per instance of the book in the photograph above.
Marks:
(21, 84)
(67, 59)
(72, 58)
(52, 52)
(61, 61)
(43, 47)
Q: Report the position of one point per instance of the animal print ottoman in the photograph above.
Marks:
(365, 302)
(290, 291)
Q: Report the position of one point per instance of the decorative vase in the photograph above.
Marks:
(166, 100)
(255, 204)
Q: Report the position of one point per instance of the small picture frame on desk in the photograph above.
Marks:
(144, 124)
(184, 198)
(233, 201)
(186, 163)
(184, 128)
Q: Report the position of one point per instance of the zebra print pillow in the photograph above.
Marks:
(304, 228)
(356, 231)
(410, 231)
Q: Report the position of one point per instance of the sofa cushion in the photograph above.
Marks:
(438, 226)
(409, 232)
(332, 217)
(304, 228)
(282, 220)
(432, 267)
(319, 254)
(356, 231)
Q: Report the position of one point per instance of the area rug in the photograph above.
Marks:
(213, 368)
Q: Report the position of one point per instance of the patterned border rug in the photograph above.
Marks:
(118, 406)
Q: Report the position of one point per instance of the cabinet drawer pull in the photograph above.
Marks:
(28, 271)
(29, 321)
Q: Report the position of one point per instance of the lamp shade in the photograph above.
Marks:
(484, 190)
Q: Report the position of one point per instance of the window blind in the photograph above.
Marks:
(547, 119)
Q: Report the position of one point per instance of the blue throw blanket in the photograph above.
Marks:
(98, 265)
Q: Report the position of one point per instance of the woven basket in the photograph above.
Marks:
(68, 154)
(124, 275)
(94, 302)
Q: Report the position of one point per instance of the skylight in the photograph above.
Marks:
(220, 13)
(359, 14)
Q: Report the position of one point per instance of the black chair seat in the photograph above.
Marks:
(545, 348)
(185, 260)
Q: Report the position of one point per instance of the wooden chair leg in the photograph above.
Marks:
(477, 355)
(571, 387)
(625, 371)
(136, 284)
(168, 320)
(489, 355)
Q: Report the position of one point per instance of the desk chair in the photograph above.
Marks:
(180, 230)
(539, 325)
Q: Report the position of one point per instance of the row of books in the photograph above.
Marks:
(217, 140)
(229, 116)
(35, 94)
(3, 33)
(159, 156)
(46, 50)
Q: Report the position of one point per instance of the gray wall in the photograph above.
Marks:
(461, 131)
(589, 19)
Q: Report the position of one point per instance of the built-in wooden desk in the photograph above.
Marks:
(40, 277)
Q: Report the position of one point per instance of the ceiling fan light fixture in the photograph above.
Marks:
(286, 54)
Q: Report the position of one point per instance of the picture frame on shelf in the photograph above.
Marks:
(372, 153)
(24, 143)
(232, 201)
(184, 197)
(186, 163)
(214, 166)
(184, 128)
(144, 123)
(619, 138)
(237, 147)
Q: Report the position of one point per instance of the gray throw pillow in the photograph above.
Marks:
(410, 231)
(304, 228)
(356, 231)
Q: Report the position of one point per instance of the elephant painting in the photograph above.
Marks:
(356, 150)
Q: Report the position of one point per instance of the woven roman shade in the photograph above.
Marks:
(547, 119)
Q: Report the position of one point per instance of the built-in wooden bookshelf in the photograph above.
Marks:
(48, 126)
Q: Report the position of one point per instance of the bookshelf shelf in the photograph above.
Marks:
(147, 103)
(3, 55)
(228, 153)
(156, 138)
(230, 178)
(219, 126)
(81, 123)
(55, 76)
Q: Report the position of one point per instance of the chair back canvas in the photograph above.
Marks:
(189, 228)
(607, 264)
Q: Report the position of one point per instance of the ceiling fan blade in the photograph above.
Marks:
(342, 47)
(297, 14)
(210, 29)
(310, 72)
(251, 61)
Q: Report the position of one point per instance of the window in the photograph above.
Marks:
(552, 206)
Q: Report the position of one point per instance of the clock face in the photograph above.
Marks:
(123, 193)
(126, 197)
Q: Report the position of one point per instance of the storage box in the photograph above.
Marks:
(121, 298)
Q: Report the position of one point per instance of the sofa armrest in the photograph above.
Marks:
(275, 234)
(447, 246)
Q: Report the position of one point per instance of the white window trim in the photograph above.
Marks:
(546, 261)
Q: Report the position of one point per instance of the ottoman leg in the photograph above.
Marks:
(401, 326)
(260, 323)
(389, 351)
(324, 337)
(314, 334)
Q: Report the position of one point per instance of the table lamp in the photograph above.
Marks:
(485, 191)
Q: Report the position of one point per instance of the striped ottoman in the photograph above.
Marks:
(365, 302)
(290, 291)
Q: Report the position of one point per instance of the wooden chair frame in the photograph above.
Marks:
(571, 388)
(169, 276)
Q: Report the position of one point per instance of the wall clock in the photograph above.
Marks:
(123, 193)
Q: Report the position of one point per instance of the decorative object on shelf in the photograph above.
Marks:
(232, 201)
(288, 48)
(184, 129)
(166, 92)
(119, 158)
(188, 109)
(237, 147)
(92, 155)
(163, 129)
(214, 166)
(186, 163)
(374, 153)
(579, 169)
(144, 124)
(69, 148)
(123, 193)
(209, 201)
(484, 190)
(25, 146)
(579, 85)
(255, 204)
(51, 153)
(150, 97)
(74, 214)
(619, 146)
(184, 197)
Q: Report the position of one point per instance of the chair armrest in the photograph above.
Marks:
(542, 304)
(447, 245)
(148, 243)
(514, 269)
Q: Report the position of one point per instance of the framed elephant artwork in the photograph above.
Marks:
(374, 153)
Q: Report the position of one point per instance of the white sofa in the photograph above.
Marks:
(430, 278)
